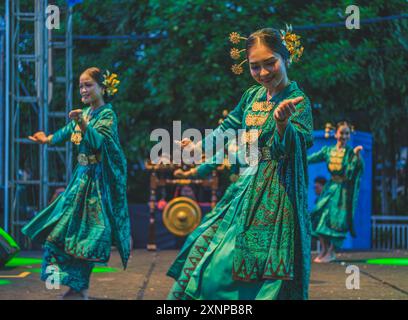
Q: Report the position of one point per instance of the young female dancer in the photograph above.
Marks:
(79, 227)
(257, 244)
(332, 217)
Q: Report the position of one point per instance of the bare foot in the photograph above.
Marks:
(320, 256)
(329, 257)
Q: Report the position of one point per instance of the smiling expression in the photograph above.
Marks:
(90, 90)
(267, 67)
(343, 135)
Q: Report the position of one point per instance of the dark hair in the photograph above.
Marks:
(321, 180)
(343, 123)
(271, 38)
(97, 75)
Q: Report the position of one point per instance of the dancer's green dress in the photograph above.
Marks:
(80, 226)
(333, 215)
(256, 242)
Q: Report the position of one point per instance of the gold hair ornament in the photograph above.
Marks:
(235, 53)
(111, 83)
(292, 43)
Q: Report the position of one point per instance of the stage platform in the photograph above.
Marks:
(145, 277)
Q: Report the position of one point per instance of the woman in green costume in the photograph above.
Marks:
(333, 215)
(256, 243)
(79, 227)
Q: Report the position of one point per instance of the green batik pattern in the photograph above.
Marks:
(70, 271)
(196, 254)
(264, 229)
(265, 243)
(91, 214)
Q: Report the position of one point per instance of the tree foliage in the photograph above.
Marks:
(183, 72)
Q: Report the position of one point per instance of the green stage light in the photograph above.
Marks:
(19, 262)
(4, 282)
(104, 270)
(95, 270)
(389, 261)
(24, 262)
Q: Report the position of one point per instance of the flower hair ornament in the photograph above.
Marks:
(330, 130)
(111, 83)
(289, 39)
(292, 43)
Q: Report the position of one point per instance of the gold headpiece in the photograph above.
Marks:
(111, 83)
(329, 130)
(289, 39)
(292, 43)
(235, 53)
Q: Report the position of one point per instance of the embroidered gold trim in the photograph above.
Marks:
(255, 120)
(251, 137)
(265, 106)
(76, 136)
(336, 159)
(334, 167)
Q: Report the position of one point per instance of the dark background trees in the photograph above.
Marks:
(177, 67)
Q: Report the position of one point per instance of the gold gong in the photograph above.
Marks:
(181, 216)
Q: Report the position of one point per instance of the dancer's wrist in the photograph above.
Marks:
(193, 172)
(49, 139)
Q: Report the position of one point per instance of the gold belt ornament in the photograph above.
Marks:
(338, 179)
(85, 160)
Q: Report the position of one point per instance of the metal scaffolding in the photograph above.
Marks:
(31, 77)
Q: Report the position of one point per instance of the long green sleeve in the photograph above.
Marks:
(300, 125)
(318, 156)
(211, 164)
(63, 134)
(230, 124)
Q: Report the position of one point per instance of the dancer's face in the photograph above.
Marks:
(91, 92)
(267, 67)
(343, 135)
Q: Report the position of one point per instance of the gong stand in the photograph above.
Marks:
(156, 182)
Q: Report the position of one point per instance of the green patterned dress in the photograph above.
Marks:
(256, 242)
(333, 215)
(79, 227)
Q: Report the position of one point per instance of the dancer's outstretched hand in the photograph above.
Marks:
(39, 137)
(285, 109)
(357, 150)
